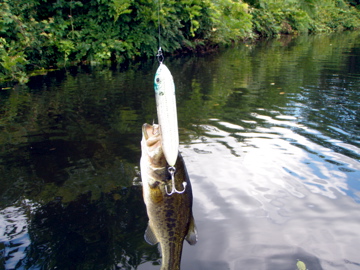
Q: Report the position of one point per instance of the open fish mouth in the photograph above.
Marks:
(152, 137)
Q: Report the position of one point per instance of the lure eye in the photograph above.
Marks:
(157, 80)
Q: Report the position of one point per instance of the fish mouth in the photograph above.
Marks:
(151, 143)
(151, 134)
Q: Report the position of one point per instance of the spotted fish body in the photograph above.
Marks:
(167, 114)
(170, 216)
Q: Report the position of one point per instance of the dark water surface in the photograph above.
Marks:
(270, 134)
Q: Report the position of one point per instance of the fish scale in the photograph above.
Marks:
(171, 219)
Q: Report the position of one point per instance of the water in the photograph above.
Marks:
(270, 134)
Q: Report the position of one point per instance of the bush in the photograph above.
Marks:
(39, 34)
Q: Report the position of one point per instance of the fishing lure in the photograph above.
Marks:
(167, 113)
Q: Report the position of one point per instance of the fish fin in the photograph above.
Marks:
(192, 235)
(149, 236)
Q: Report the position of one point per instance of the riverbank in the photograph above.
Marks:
(37, 35)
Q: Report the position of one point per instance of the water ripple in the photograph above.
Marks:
(14, 233)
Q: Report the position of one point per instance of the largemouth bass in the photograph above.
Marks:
(167, 114)
(170, 216)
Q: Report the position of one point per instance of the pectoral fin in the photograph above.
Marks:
(149, 236)
(192, 236)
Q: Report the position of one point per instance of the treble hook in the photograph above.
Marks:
(172, 170)
(160, 56)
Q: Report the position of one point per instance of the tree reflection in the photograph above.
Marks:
(85, 234)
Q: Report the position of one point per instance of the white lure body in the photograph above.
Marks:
(167, 113)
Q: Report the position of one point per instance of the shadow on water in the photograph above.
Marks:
(269, 133)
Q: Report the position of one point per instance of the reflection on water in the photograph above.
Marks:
(270, 134)
(84, 234)
(14, 237)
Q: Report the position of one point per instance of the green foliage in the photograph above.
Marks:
(232, 21)
(12, 62)
(274, 17)
(282, 17)
(336, 15)
(40, 34)
(37, 34)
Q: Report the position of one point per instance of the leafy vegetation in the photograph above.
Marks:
(41, 34)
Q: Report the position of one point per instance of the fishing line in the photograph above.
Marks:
(159, 55)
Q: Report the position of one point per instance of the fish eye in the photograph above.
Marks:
(158, 80)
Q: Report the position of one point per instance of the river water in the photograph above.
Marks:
(270, 134)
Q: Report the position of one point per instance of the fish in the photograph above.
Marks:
(171, 219)
(167, 113)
